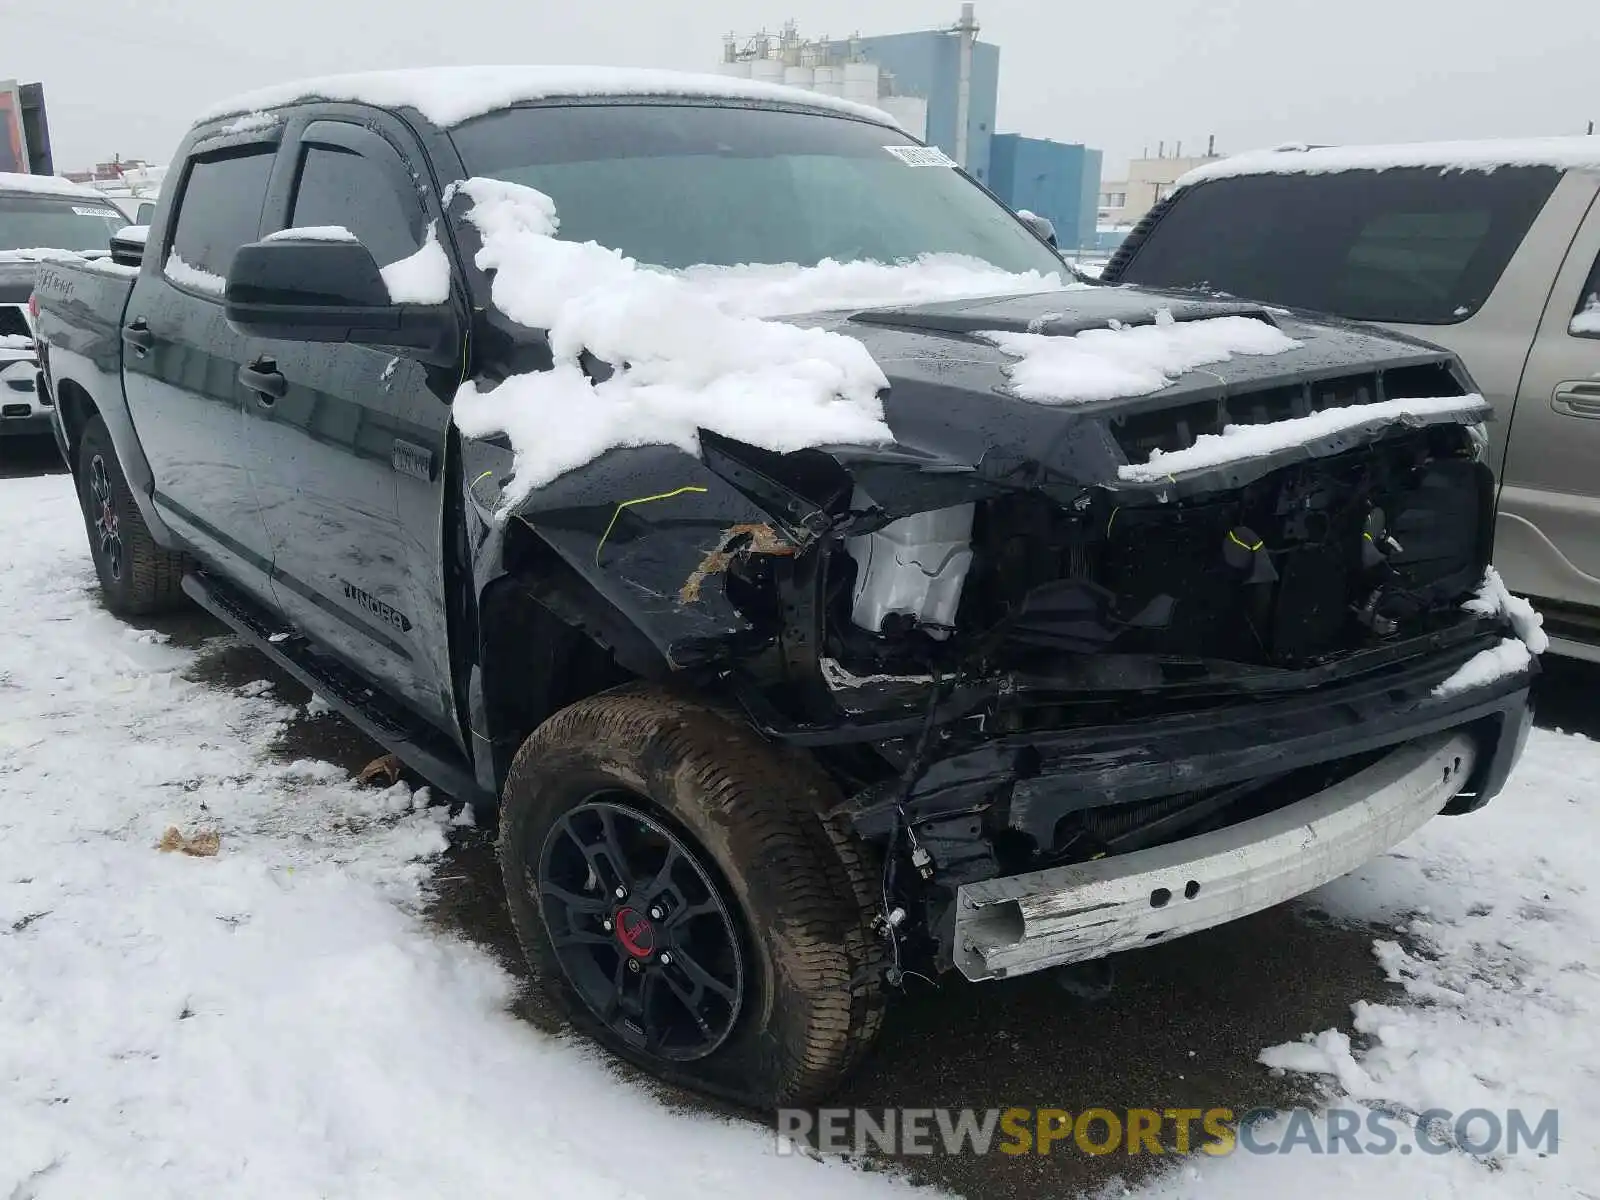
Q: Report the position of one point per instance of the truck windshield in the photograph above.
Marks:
(1408, 245)
(676, 185)
(57, 223)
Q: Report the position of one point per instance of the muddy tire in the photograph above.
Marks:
(137, 577)
(752, 973)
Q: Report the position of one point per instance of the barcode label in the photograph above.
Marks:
(921, 156)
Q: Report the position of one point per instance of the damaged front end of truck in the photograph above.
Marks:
(1074, 712)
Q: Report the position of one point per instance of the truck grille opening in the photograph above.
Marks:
(1169, 429)
(1305, 565)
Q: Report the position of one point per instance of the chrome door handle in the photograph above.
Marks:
(1577, 399)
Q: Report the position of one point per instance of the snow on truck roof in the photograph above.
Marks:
(46, 185)
(1565, 153)
(450, 95)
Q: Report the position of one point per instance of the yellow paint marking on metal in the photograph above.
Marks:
(629, 504)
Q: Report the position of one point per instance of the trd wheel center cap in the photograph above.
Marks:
(634, 931)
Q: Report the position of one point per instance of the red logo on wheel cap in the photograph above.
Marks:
(634, 931)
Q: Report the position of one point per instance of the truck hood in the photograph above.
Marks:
(653, 531)
(950, 405)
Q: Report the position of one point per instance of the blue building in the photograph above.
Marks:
(927, 64)
(918, 77)
(1056, 180)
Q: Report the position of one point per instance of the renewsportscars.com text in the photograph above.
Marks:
(1216, 1131)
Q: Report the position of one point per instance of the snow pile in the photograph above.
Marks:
(450, 95)
(1129, 360)
(312, 233)
(772, 290)
(36, 254)
(46, 185)
(276, 1020)
(1510, 657)
(1239, 442)
(251, 122)
(1563, 153)
(420, 278)
(1587, 320)
(15, 341)
(1501, 921)
(689, 364)
(1494, 599)
(184, 275)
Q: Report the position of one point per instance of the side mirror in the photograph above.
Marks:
(127, 245)
(315, 290)
(1044, 229)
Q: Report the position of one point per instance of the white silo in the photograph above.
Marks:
(861, 82)
(767, 70)
(800, 77)
(829, 81)
(739, 69)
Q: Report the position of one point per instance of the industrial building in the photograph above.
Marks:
(1150, 181)
(943, 86)
(1056, 180)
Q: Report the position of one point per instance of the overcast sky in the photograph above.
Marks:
(125, 76)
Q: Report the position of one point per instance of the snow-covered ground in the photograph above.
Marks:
(1502, 1008)
(279, 1020)
(276, 1020)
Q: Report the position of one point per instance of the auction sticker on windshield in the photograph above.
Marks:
(921, 156)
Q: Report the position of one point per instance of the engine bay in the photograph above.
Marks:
(1309, 563)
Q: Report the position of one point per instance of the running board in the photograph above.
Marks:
(421, 748)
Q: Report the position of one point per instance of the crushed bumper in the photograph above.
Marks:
(1068, 914)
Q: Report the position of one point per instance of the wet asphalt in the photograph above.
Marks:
(1180, 1027)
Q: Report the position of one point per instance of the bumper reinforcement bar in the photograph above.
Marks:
(1048, 918)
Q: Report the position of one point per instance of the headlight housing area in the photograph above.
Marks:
(913, 569)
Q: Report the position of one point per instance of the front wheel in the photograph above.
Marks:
(137, 577)
(681, 899)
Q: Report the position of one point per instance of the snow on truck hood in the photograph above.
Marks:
(1563, 153)
(700, 349)
(47, 185)
(450, 95)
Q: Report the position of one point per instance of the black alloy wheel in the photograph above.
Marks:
(640, 928)
(106, 525)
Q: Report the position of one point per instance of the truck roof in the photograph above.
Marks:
(45, 185)
(1563, 153)
(450, 95)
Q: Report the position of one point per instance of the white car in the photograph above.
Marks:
(41, 216)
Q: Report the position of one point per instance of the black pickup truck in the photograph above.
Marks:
(767, 731)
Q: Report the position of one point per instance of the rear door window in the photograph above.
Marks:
(1586, 321)
(1407, 245)
(219, 211)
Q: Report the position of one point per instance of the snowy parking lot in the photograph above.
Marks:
(289, 1016)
